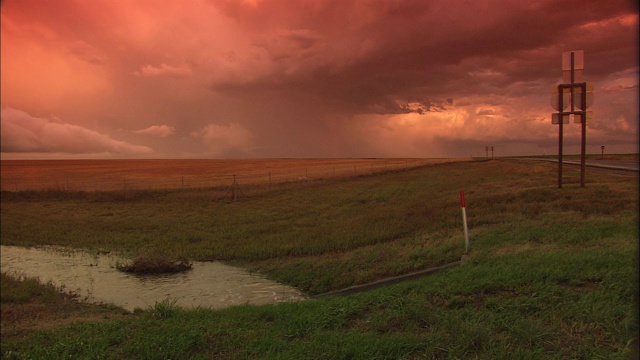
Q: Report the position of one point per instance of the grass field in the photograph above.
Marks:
(552, 272)
(111, 175)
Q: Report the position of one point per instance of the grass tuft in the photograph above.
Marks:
(165, 309)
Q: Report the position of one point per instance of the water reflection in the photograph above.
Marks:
(94, 278)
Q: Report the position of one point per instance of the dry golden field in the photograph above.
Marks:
(107, 175)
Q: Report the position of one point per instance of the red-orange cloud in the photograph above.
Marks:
(157, 130)
(319, 78)
(164, 70)
(226, 140)
(23, 133)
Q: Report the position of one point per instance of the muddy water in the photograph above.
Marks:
(94, 278)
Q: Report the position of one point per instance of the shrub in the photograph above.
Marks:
(155, 264)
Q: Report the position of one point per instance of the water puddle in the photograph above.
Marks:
(94, 278)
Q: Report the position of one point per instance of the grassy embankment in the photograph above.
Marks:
(551, 272)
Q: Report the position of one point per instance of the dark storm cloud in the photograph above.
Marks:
(316, 78)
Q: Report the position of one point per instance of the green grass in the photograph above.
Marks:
(307, 227)
(19, 290)
(552, 272)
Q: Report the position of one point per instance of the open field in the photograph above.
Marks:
(552, 272)
(109, 175)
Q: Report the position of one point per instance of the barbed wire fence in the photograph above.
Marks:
(227, 185)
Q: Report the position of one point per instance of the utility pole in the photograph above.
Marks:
(572, 67)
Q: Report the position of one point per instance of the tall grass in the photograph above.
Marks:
(552, 273)
(325, 236)
(19, 290)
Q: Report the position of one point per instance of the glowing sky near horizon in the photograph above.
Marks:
(317, 78)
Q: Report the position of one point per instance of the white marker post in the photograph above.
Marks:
(464, 222)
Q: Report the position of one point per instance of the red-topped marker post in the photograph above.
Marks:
(464, 222)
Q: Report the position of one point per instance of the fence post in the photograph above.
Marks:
(233, 189)
(464, 222)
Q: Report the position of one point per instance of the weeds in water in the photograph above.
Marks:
(155, 264)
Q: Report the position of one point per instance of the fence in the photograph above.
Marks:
(126, 175)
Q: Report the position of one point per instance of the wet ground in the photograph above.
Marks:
(95, 279)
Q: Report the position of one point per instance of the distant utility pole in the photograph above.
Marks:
(492, 152)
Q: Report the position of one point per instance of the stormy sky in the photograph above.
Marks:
(314, 78)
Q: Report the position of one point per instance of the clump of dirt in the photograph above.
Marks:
(155, 264)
